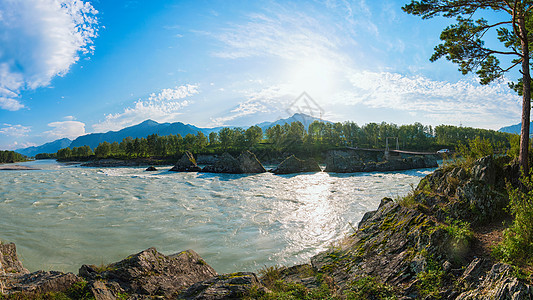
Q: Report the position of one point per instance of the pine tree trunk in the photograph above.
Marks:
(523, 158)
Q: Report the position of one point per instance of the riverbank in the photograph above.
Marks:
(414, 247)
(11, 167)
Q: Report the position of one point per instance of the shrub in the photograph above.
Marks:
(517, 245)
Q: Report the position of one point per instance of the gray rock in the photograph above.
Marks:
(151, 169)
(150, 273)
(249, 163)
(227, 286)
(38, 282)
(101, 292)
(224, 164)
(186, 163)
(9, 261)
(499, 283)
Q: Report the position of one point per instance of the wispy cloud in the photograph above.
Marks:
(41, 39)
(279, 32)
(466, 100)
(15, 130)
(65, 129)
(164, 106)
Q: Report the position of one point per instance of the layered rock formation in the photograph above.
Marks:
(247, 162)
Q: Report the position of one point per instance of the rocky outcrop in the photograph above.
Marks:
(39, 282)
(292, 164)
(227, 286)
(14, 278)
(187, 163)
(414, 246)
(498, 283)
(149, 274)
(247, 162)
(341, 162)
(224, 164)
(9, 261)
(151, 169)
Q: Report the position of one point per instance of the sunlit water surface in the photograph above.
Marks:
(64, 216)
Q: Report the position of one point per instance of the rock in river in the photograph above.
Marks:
(187, 163)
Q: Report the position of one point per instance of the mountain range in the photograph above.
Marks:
(145, 129)
(51, 147)
(516, 129)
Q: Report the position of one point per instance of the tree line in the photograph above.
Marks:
(290, 137)
(7, 156)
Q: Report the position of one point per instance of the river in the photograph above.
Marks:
(63, 216)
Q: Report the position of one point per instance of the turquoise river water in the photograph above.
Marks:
(63, 216)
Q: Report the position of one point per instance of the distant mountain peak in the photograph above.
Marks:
(149, 122)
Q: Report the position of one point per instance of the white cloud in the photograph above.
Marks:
(68, 129)
(15, 130)
(41, 39)
(279, 33)
(488, 106)
(164, 106)
(17, 145)
(10, 104)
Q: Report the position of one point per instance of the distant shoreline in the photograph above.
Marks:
(15, 168)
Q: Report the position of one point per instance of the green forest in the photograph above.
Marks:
(11, 157)
(289, 138)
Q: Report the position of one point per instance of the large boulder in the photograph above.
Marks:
(249, 163)
(341, 163)
(149, 274)
(186, 163)
(295, 165)
(224, 164)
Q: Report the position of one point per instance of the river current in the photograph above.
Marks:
(63, 216)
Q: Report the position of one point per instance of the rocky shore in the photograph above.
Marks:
(432, 244)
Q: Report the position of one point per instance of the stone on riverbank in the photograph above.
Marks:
(186, 163)
(292, 164)
(149, 273)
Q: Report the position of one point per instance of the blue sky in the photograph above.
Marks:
(71, 67)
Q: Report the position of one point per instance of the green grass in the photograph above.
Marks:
(517, 245)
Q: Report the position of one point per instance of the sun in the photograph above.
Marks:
(315, 75)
